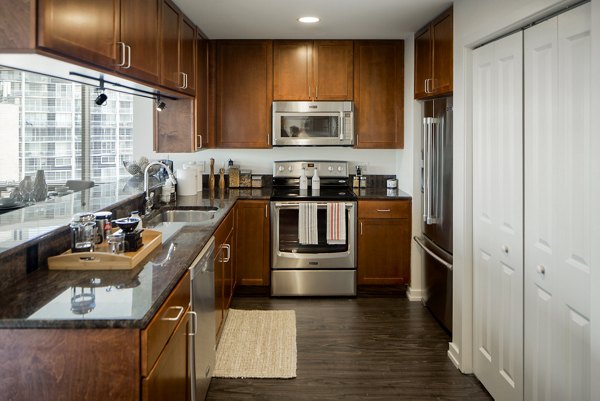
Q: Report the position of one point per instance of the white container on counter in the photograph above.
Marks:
(199, 169)
(187, 181)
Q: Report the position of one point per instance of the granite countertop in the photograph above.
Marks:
(127, 299)
(380, 193)
(121, 299)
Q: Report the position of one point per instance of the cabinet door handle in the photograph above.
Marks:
(228, 257)
(122, 46)
(176, 318)
(128, 58)
(266, 211)
(182, 75)
(185, 80)
(199, 141)
(427, 90)
(361, 224)
(384, 210)
(194, 323)
(317, 92)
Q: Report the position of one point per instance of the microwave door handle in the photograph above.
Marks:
(341, 126)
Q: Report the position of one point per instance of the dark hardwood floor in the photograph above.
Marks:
(364, 348)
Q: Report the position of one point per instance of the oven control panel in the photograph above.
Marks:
(326, 168)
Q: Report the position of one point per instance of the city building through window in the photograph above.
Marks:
(41, 128)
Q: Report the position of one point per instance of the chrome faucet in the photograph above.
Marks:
(149, 198)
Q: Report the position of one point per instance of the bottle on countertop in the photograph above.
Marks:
(303, 180)
(316, 181)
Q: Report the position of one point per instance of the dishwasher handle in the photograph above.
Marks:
(203, 263)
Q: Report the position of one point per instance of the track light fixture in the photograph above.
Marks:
(160, 105)
(102, 97)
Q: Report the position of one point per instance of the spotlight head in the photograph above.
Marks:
(160, 105)
(101, 99)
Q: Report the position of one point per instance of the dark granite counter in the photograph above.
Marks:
(127, 299)
(380, 193)
(123, 299)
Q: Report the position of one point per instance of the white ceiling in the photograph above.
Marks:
(340, 19)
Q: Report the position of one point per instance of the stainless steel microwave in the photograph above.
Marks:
(313, 123)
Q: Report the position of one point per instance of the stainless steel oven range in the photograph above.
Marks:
(325, 265)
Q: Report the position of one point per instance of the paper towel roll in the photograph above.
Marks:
(186, 182)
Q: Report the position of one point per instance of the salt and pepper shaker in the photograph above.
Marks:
(211, 177)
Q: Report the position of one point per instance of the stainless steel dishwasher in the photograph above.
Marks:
(202, 273)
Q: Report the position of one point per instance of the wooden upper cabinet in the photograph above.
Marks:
(292, 70)
(187, 55)
(434, 57)
(178, 50)
(139, 39)
(244, 89)
(333, 69)
(312, 70)
(169, 46)
(423, 63)
(202, 93)
(85, 30)
(442, 53)
(379, 94)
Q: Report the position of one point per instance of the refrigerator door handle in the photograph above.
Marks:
(431, 253)
(434, 168)
(426, 166)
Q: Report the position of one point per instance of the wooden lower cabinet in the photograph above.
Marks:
(125, 364)
(384, 242)
(170, 377)
(253, 243)
(224, 268)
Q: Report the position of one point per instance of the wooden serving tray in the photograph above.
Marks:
(101, 259)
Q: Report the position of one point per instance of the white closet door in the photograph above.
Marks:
(498, 216)
(557, 208)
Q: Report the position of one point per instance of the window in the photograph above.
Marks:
(41, 119)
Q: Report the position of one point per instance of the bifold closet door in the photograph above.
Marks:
(558, 208)
(498, 217)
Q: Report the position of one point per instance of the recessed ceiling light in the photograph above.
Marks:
(309, 20)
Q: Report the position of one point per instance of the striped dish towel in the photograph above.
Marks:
(307, 223)
(336, 223)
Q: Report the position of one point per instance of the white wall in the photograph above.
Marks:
(475, 22)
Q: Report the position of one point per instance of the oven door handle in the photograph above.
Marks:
(296, 205)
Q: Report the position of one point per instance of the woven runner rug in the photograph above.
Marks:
(258, 344)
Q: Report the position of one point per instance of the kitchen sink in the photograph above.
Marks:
(190, 216)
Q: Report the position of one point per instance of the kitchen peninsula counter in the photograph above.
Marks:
(123, 299)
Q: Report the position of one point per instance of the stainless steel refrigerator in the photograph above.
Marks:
(436, 239)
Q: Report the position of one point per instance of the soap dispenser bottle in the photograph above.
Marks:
(303, 180)
(316, 181)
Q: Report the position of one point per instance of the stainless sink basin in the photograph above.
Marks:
(184, 216)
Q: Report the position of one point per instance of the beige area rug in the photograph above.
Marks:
(257, 344)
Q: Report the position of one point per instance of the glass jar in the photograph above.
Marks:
(83, 232)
